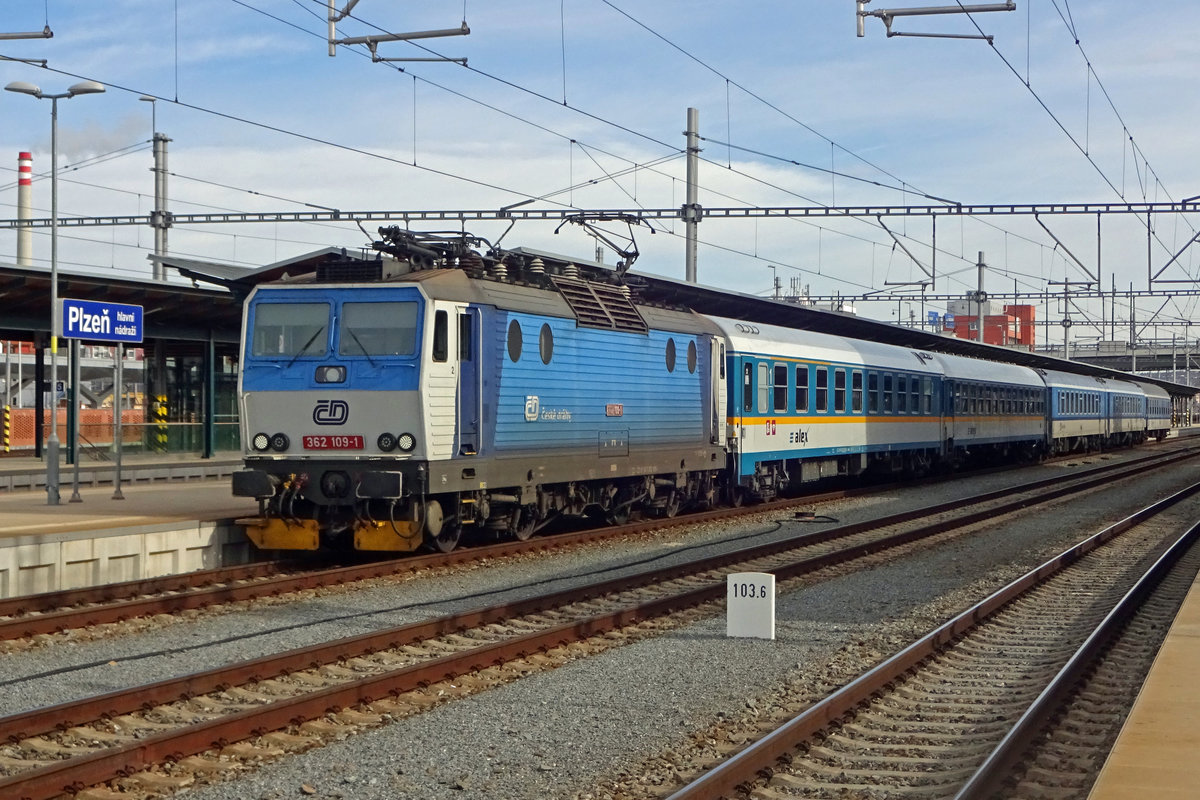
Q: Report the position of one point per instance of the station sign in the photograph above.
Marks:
(948, 321)
(101, 321)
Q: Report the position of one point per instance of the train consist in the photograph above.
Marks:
(396, 403)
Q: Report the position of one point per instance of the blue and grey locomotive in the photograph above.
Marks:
(413, 404)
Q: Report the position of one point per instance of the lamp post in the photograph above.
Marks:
(83, 87)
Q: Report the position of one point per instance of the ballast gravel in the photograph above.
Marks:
(572, 731)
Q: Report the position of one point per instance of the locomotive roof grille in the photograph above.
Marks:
(599, 305)
(349, 271)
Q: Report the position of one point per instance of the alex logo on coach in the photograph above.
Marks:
(331, 412)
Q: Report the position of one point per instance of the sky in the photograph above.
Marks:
(581, 104)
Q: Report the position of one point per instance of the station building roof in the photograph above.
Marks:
(170, 310)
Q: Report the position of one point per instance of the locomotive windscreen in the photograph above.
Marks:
(290, 329)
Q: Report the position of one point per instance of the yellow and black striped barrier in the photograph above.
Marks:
(160, 423)
(7, 429)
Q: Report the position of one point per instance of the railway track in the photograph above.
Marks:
(38, 615)
(1015, 691)
(160, 729)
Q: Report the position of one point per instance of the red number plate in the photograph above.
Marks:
(340, 442)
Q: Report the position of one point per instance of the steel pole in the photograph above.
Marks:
(118, 407)
(691, 209)
(52, 444)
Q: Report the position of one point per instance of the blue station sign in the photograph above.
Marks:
(100, 321)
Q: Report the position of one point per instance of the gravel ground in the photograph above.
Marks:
(563, 732)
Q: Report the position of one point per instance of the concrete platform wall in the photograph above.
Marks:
(56, 562)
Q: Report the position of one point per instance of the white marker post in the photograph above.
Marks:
(750, 605)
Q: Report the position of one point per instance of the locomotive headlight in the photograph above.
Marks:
(260, 442)
(280, 442)
(335, 484)
(406, 442)
(327, 374)
(386, 442)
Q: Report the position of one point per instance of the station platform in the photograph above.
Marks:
(27, 472)
(1155, 753)
(176, 516)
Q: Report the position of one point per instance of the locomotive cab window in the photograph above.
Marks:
(464, 337)
(441, 336)
(379, 329)
(290, 330)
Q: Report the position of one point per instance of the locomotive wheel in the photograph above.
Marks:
(441, 533)
(447, 540)
(618, 516)
(526, 523)
(672, 506)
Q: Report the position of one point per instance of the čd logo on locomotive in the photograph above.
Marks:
(331, 412)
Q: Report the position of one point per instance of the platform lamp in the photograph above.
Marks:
(83, 87)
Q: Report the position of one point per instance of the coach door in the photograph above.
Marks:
(468, 392)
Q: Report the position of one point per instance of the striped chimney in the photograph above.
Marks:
(25, 209)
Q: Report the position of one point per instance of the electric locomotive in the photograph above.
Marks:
(402, 402)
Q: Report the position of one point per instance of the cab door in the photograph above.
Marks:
(468, 391)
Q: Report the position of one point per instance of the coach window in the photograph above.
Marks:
(927, 393)
(822, 390)
(691, 357)
(802, 389)
(839, 390)
(441, 336)
(856, 391)
(781, 388)
(764, 388)
(546, 343)
(872, 392)
(901, 394)
(748, 387)
(670, 355)
(887, 393)
(514, 341)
